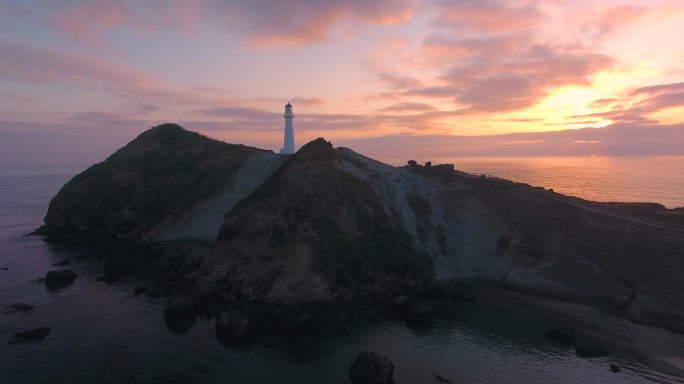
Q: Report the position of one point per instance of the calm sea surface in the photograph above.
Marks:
(658, 179)
(102, 333)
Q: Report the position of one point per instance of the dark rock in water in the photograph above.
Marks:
(179, 315)
(61, 263)
(371, 368)
(55, 279)
(588, 348)
(5, 269)
(401, 304)
(562, 335)
(115, 269)
(440, 379)
(31, 334)
(140, 289)
(18, 307)
(297, 324)
(157, 292)
(232, 327)
(420, 314)
(615, 369)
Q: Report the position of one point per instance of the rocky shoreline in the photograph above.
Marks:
(326, 239)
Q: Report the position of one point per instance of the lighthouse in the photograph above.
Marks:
(288, 142)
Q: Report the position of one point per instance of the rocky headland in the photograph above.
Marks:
(308, 243)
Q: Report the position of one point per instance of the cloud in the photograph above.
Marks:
(39, 65)
(395, 81)
(522, 80)
(636, 106)
(487, 15)
(614, 140)
(297, 101)
(42, 65)
(408, 107)
(492, 56)
(305, 21)
(23, 99)
(262, 22)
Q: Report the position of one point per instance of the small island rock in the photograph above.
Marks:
(34, 334)
(54, 279)
(371, 368)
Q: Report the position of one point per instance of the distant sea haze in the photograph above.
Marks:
(657, 179)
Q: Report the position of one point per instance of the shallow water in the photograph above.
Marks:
(102, 333)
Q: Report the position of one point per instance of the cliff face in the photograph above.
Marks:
(150, 187)
(313, 231)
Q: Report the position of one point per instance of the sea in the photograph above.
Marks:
(103, 333)
(656, 179)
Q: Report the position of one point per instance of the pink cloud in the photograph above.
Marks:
(487, 15)
(305, 21)
(408, 107)
(262, 22)
(88, 21)
(41, 65)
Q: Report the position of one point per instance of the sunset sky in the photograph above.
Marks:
(400, 78)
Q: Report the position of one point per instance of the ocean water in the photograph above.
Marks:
(102, 333)
(658, 179)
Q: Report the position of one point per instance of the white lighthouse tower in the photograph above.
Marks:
(288, 145)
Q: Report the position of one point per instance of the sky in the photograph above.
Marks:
(393, 78)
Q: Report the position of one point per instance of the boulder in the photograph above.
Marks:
(371, 368)
(401, 304)
(115, 269)
(297, 324)
(34, 334)
(232, 327)
(615, 369)
(18, 307)
(55, 279)
(179, 315)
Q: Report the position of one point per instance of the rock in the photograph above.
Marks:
(588, 348)
(420, 314)
(562, 335)
(615, 369)
(34, 334)
(115, 269)
(297, 324)
(401, 304)
(440, 379)
(55, 279)
(140, 289)
(232, 327)
(18, 307)
(157, 292)
(61, 263)
(371, 368)
(179, 315)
